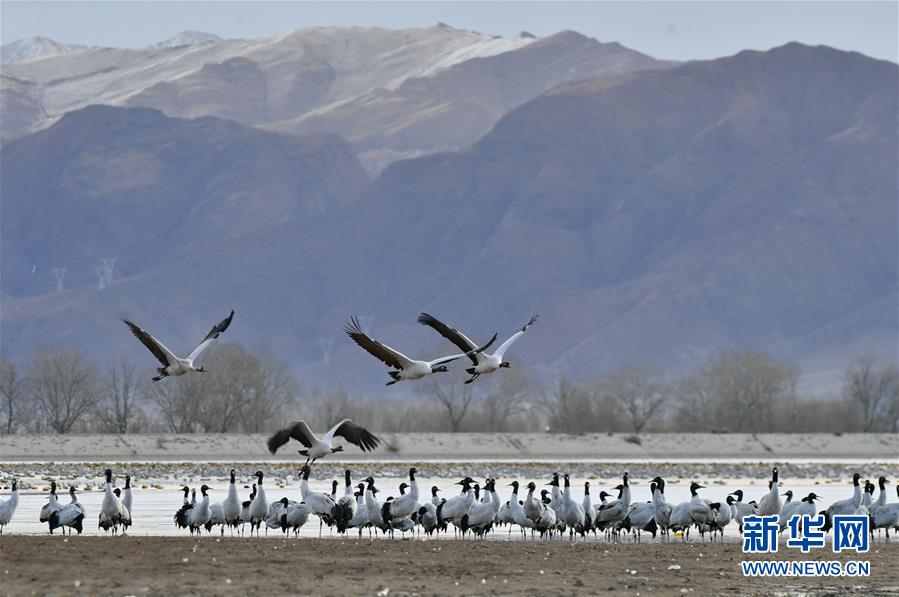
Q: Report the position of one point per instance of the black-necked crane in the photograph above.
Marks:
(172, 364)
(320, 447)
(482, 362)
(405, 369)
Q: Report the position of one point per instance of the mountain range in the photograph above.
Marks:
(35, 48)
(391, 93)
(654, 212)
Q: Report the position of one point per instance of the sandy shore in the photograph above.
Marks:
(168, 566)
(463, 446)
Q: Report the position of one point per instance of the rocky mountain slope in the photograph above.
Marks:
(36, 48)
(392, 93)
(655, 216)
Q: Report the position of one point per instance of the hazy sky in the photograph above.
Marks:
(665, 29)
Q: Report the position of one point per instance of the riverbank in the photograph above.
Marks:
(714, 447)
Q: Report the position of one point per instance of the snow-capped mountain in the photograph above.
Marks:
(186, 38)
(393, 93)
(35, 48)
(657, 217)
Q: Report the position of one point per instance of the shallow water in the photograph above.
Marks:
(154, 508)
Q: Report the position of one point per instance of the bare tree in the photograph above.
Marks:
(121, 392)
(736, 391)
(325, 409)
(693, 400)
(894, 400)
(571, 407)
(235, 384)
(12, 393)
(638, 393)
(454, 396)
(267, 393)
(64, 386)
(507, 396)
(179, 402)
(239, 392)
(872, 389)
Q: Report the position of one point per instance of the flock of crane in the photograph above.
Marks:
(477, 510)
(403, 367)
(115, 510)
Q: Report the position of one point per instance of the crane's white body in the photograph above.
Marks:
(360, 518)
(886, 516)
(231, 506)
(427, 517)
(348, 502)
(480, 515)
(172, 364)
(547, 521)
(216, 517)
(848, 506)
(128, 497)
(297, 516)
(8, 507)
(723, 516)
(457, 507)
(788, 510)
(490, 363)
(661, 510)
(404, 505)
(517, 512)
(533, 507)
(640, 515)
(324, 446)
(613, 512)
(69, 515)
(700, 510)
(51, 506)
(112, 512)
(373, 508)
(259, 505)
(572, 513)
(320, 504)
(200, 514)
(742, 509)
(770, 503)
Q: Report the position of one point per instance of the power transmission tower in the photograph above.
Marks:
(104, 271)
(326, 345)
(59, 273)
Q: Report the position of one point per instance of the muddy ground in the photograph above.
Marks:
(234, 566)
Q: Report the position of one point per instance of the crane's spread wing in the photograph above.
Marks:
(355, 434)
(462, 341)
(472, 354)
(163, 354)
(299, 431)
(445, 360)
(382, 352)
(212, 335)
(505, 345)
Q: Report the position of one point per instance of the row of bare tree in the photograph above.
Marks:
(742, 391)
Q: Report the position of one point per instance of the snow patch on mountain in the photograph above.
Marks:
(35, 48)
(480, 47)
(186, 38)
